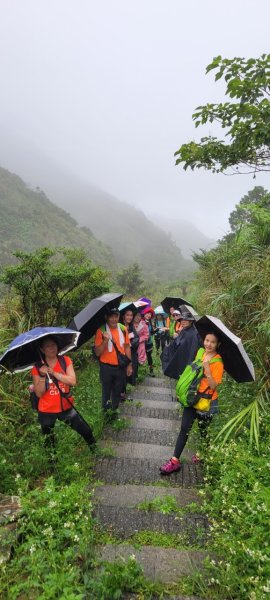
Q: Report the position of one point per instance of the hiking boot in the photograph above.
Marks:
(170, 467)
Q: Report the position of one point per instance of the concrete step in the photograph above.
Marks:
(129, 496)
(160, 565)
(157, 436)
(156, 382)
(125, 522)
(153, 403)
(118, 470)
(147, 389)
(153, 413)
(149, 451)
(142, 395)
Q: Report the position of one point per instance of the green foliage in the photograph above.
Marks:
(130, 279)
(41, 223)
(54, 284)
(164, 504)
(246, 120)
(258, 197)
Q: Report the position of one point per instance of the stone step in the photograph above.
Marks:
(155, 424)
(159, 436)
(156, 382)
(149, 451)
(141, 395)
(135, 470)
(153, 413)
(147, 389)
(130, 496)
(160, 565)
(125, 522)
(156, 403)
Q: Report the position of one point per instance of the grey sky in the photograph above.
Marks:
(106, 89)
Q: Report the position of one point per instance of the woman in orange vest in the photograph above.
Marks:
(49, 380)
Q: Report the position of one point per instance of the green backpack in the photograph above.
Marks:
(188, 383)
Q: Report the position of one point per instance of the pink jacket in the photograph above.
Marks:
(143, 333)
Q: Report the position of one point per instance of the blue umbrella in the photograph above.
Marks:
(24, 350)
(159, 310)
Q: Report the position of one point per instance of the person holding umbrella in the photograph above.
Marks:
(148, 313)
(127, 316)
(52, 384)
(112, 347)
(212, 377)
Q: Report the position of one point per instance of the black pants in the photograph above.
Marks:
(160, 341)
(149, 358)
(112, 380)
(71, 418)
(188, 418)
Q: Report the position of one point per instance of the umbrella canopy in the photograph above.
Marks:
(170, 301)
(24, 350)
(159, 310)
(127, 306)
(147, 300)
(140, 304)
(93, 315)
(236, 361)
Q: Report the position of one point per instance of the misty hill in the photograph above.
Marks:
(28, 220)
(130, 234)
(186, 236)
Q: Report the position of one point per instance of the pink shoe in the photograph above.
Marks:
(170, 467)
(195, 459)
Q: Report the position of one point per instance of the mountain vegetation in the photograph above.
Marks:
(28, 220)
(112, 233)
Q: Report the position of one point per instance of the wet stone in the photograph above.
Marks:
(145, 436)
(127, 521)
(153, 413)
(134, 470)
(164, 565)
(131, 496)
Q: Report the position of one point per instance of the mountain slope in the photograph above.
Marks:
(28, 220)
(130, 234)
(187, 237)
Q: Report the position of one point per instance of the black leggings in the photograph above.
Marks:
(188, 418)
(149, 358)
(70, 417)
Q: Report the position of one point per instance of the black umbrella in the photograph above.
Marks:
(236, 361)
(93, 315)
(170, 301)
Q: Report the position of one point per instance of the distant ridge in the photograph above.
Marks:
(187, 237)
(28, 220)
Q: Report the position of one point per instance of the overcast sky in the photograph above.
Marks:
(106, 89)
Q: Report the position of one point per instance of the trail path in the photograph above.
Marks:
(132, 476)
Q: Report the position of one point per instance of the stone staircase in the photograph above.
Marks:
(131, 476)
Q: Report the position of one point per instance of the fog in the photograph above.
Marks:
(103, 92)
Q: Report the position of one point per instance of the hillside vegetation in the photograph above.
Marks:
(28, 220)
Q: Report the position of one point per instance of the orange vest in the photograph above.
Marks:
(51, 401)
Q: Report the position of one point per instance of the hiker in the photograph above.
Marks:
(160, 331)
(127, 320)
(109, 344)
(51, 379)
(212, 376)
(182, 349)
(143, 333)
(148, 313)
(170, 323)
